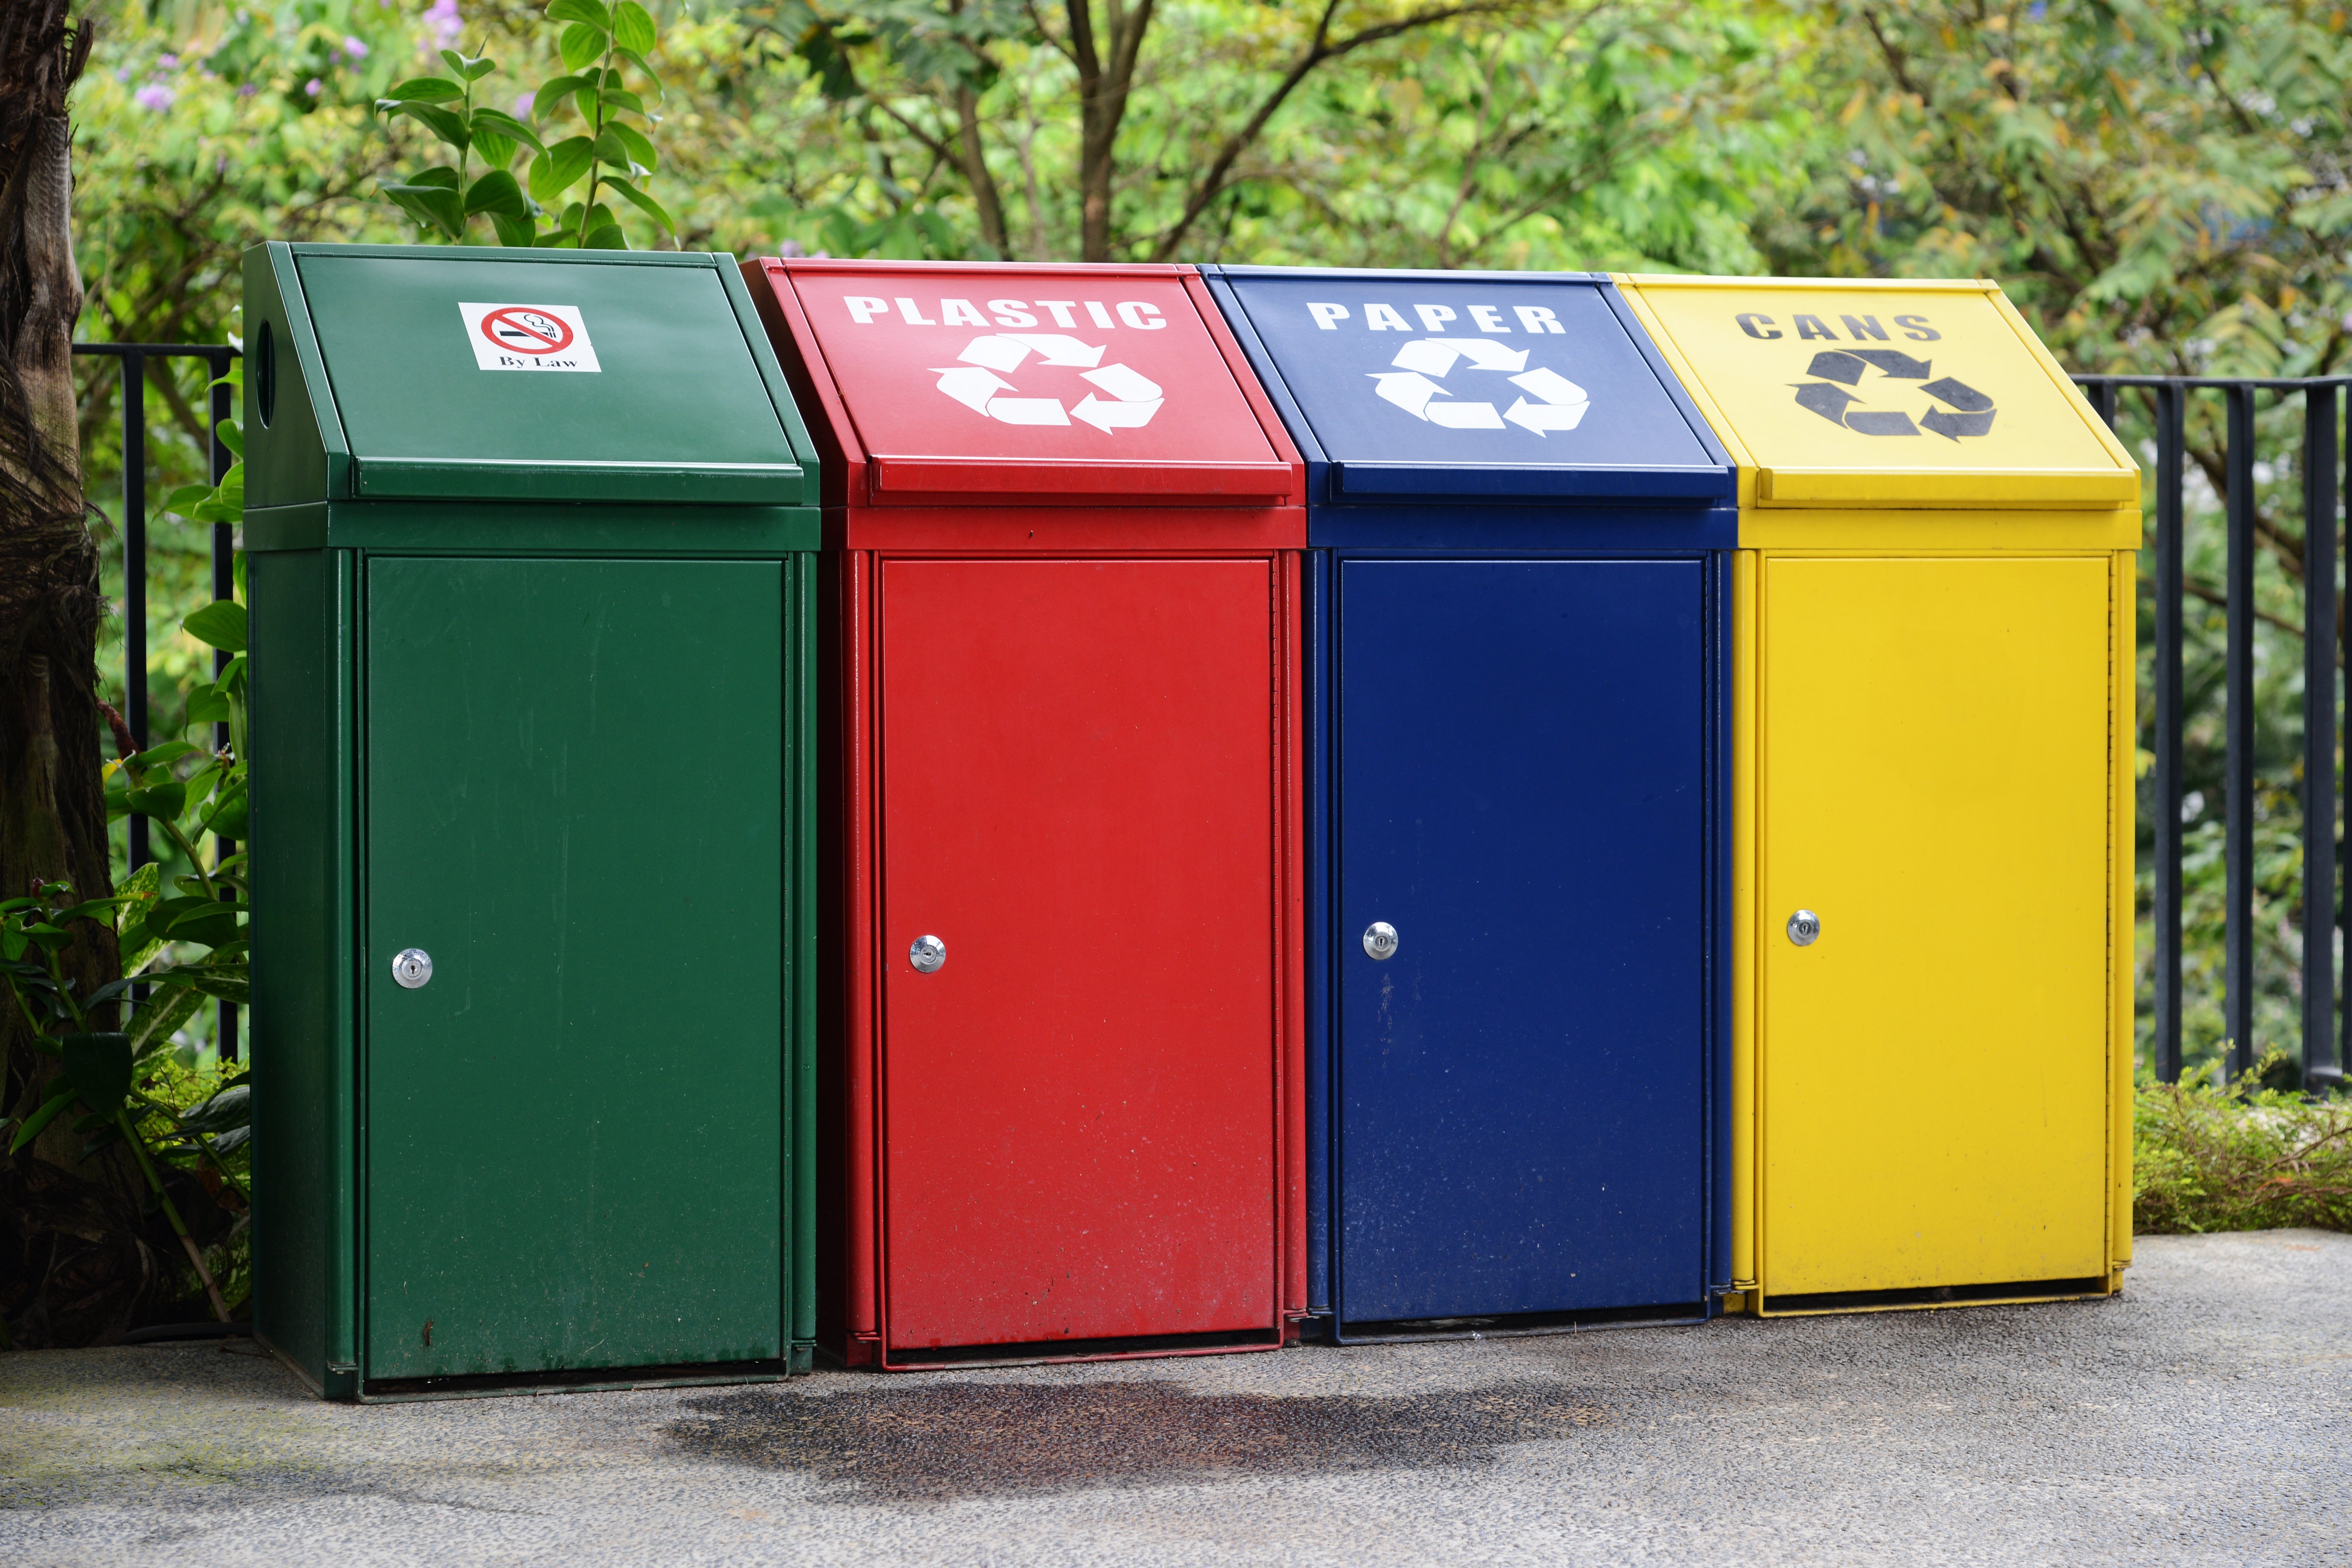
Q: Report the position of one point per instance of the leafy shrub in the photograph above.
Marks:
(2208, 1156)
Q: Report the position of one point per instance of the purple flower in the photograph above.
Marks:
(523, 107)
(155, 98)
(168, 62)
(443, 18)
(355, 48)
(312, 87)
(247, 90)
(123, 75)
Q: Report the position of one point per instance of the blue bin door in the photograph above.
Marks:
(1522, 795)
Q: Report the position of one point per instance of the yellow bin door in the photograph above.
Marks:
(1933, 726)
(1935, 788)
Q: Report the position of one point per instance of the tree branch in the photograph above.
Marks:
(1320, 49)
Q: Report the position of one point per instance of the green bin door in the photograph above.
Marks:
(574, 1131)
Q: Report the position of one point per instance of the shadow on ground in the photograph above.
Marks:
(943, 1442)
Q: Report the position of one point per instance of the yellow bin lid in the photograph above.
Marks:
(1888, 393)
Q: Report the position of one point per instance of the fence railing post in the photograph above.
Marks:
(224, 587)
(133, 358)
(2237, 727)
(2171, 567)
(134, 572)
(2319, 1064)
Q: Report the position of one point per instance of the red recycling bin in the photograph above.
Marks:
(1063, 1093)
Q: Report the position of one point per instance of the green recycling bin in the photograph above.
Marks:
(531, 544)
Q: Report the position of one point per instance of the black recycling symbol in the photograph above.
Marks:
(1842, 368)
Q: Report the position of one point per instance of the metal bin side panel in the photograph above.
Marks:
(298, 454)
(301, 1045)
(575, 1130)
(1935, 783)
(1079, 1130)
(1524, 796)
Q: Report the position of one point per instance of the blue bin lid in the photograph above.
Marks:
(1426, 387)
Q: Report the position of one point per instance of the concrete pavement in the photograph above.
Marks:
(2203, 1417)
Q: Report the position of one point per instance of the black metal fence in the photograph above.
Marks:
(133, 358)
(2166, 400)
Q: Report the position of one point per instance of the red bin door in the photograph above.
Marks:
(1079, 800)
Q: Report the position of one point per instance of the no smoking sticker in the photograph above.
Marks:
(529, 337)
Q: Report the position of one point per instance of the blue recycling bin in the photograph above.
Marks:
(1519, 841)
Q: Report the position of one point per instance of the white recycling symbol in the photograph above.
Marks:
(1560, 404)
(1133, 398)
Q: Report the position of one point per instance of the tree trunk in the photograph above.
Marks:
(74, 1265)
(1105, 80)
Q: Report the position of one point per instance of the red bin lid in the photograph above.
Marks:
(984, 383)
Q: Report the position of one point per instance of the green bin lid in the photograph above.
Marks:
(481, 374)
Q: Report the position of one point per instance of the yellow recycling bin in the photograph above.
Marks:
(1934, 724)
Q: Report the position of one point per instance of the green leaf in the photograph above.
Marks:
(582, 45)
(607, 236)
(227, 502)
(232, 675)
(420, 90)
(446, 124)
(498, 123)
(229, 982)
(107, 993)
(183, 501)
(632, 27)
(35, 1124)
(137, 891)
(611, 149)
(640, 149)
(559, 168)
(234, 985)
(207, 705)
(433, 206)
(552, 92)
(99, 1067)
(231, 816)
(165, 1011)
(53, 938)
(159, 756)
(220, 625)
(496, 192)
(231, 1108)
(514, 231)
(621, 98)
(164, 802)
(90, 909)
(232, 435)
(587, 11)
(652, 78)
(643, 203)
(210, 926)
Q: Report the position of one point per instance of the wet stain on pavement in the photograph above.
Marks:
(938, 1443)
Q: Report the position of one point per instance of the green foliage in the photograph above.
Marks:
(610, 150)
(2208, 1157)
(107, 1074)
(1526, 134)
(2158, 182)
(201, 129)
